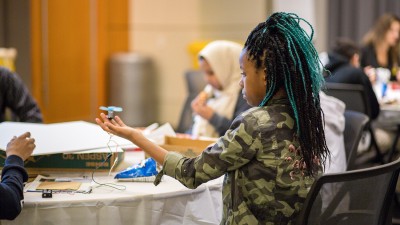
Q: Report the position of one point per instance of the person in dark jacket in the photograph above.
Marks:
(344, 67)
(14, 175)
(15, 96)
(381, 47)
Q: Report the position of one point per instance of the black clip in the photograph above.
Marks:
(47, 193)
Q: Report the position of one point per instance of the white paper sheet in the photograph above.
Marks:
(60, 137)
(157, 135)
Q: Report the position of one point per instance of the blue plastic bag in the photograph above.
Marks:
(146, 168)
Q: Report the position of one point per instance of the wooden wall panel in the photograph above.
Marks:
(71, 43)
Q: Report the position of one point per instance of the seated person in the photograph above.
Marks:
(15, 96)
(272, 153)
(381, 47)
(344, 66)
(14, 175)
(221, 100)
(333, 110)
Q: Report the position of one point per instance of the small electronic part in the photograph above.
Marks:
(46, 193)
(111, 110)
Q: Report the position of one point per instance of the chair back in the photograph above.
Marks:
(355, 123)
(353, 95)
(194, 83)
(356, 99)
(353, 197)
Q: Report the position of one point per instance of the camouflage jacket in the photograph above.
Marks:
(258, 157)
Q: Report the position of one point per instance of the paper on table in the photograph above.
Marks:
(60, 137)
(158, 134)
(73, 136)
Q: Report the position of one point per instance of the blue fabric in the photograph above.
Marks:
(146, 168)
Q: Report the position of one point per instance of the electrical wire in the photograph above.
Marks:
(112, 185)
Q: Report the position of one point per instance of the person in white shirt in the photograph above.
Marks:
(333, 110)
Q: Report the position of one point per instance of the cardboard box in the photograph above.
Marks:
(69, 162)
(186, 146)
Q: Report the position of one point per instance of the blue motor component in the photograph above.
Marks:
(111, 110)
(145, 168)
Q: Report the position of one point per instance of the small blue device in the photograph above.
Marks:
(111, 110)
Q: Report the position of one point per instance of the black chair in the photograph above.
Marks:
(355, 123)
(355, 98)
(194, 83)
(353, 95)
(362, 197)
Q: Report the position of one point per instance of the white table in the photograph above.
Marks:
(389, 118)
(141, 203)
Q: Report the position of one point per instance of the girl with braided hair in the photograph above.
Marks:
(281, 51)
(272, 153)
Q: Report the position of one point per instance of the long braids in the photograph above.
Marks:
(291, 62)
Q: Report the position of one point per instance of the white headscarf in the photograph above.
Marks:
(223, 57)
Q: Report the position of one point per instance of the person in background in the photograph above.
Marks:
(15, 96)
(333, 110)
(14, 175)
(381, 47)
(272, 153)
(220, 102)
(344, 67)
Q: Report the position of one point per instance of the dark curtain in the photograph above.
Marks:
(3, 16)
(15, 32)
(353, 18)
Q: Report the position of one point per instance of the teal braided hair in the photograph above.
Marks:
(291, 62)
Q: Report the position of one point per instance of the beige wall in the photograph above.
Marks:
(314, 11)
(164, 29)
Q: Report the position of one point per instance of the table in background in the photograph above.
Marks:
(389, 116)
(141, 203)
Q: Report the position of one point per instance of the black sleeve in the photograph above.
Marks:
(372, 100)
(367, 57)
(11, 187)
(222, 124)
(16, 96)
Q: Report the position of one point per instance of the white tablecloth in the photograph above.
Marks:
(141, 203)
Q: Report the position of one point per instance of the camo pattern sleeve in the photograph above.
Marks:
(260, 160)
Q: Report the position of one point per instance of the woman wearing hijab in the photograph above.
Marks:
(220, 101)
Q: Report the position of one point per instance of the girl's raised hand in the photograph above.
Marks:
(117, 127)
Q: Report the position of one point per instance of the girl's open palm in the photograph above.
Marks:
(117, 127)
